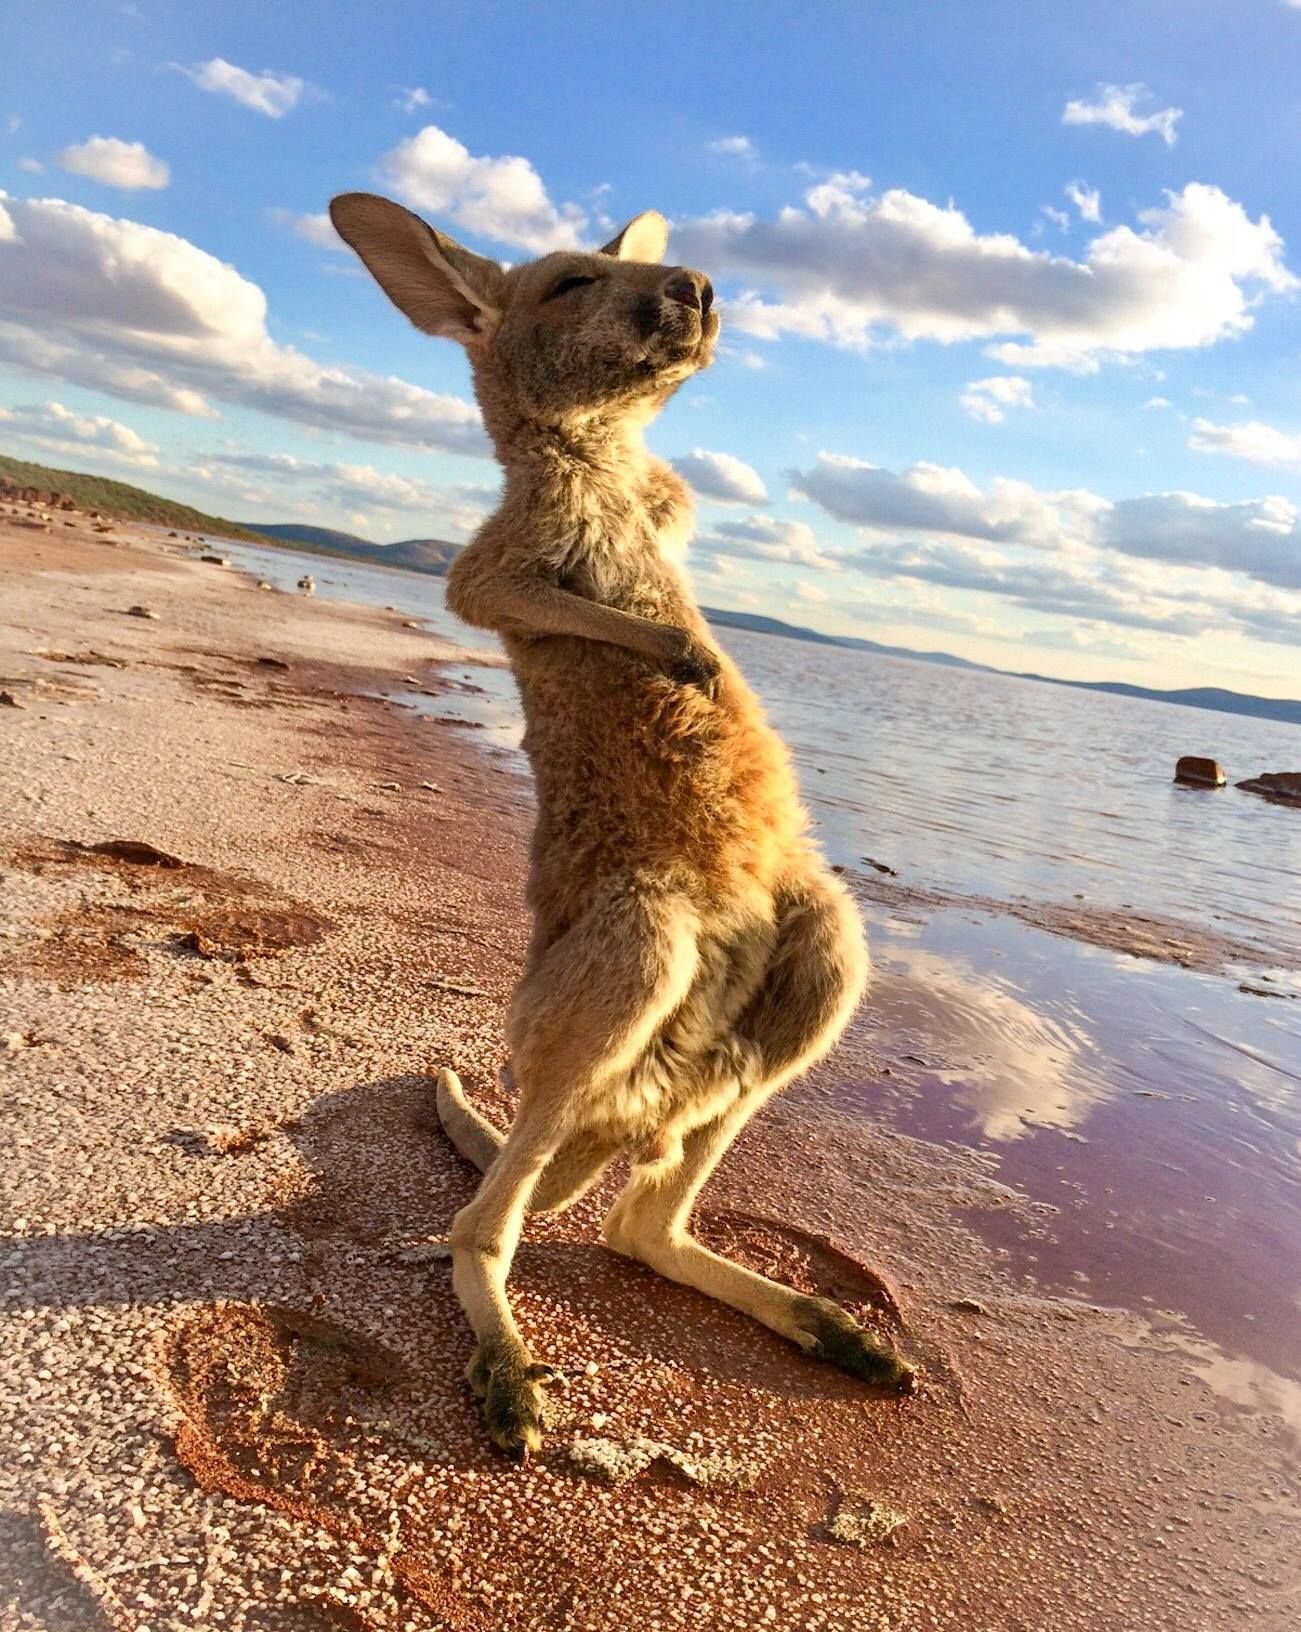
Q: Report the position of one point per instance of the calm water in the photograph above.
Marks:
(1154, 1113)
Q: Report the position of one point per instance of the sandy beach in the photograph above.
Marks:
(248, 905)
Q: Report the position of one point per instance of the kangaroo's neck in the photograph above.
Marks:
(594, 479)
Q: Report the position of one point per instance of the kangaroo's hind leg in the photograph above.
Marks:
(815, 978)
(583, 1015)
(566, 1178)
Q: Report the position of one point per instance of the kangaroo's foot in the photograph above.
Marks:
(824, 1330)
(510, 1384)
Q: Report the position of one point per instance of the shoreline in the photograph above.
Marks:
(248, 1392)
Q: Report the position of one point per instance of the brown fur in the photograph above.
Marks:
(691, 951)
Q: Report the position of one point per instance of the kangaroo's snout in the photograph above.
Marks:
(690, 289)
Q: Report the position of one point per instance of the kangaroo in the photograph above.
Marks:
(691, 951)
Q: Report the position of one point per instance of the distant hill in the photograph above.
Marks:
(432, 555)
(1227, 702)
(796, 631)
(120, 499)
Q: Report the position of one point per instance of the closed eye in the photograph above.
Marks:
(566, 284)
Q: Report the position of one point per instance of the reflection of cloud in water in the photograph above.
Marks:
(1012, 1067)
(1241, 1383)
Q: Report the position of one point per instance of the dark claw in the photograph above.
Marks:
(509, 1387)
(842, 1342)
(696, 666)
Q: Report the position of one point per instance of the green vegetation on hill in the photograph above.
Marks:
(120, 499)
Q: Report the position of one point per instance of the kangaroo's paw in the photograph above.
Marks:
(510, 1389)
(828, 1333)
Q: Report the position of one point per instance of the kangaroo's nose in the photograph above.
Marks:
(691, 289)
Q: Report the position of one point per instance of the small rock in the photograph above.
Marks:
(140, 612)
(1200, 773)
(881, 867)
(867, 1524)
(431, 787)
(389, 787)
(969, 1306)
(8, 700)
(1280, 787)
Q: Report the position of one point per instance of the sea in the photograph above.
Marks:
(1150, 1113)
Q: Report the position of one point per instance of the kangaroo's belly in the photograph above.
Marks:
(637, 773)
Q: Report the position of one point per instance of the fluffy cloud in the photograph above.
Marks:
(272, 94)
(148, 315)
(721, 477)
(937, 499)
(762, 538)
(115, 163)
(498, 198)
(1258, 443)
(445, 511)
(1169, 561)
(411, 97)
(1114, 106)
(851, 266)
(990, 399)
(1258, 537)
(52, 425)
(1087, 200)
(313, 229)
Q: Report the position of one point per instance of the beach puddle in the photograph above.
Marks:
(1148, 1115)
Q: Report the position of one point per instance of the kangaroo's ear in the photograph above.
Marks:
(645, 238)
(441, 286)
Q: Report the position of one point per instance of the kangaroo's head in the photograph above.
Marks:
(561, 341)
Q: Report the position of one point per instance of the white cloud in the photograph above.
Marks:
(52, 425)
(33, 167)
(721, 477)
(445, 511)
(813, 593)
(1258, 443)
(990, 399)
(502, 199)
(1059, 218)
(1176, 561)
(8, 232)
(272, 94)
(763, 538)
(411, 97)
(313, 229)
(1158, 402)
(1087, 200)
(115, 163)
(1258, 537)
(938, 499)
(1114, 107)
(148, 315)
(851, 267)
(737, 147)
(13, 124)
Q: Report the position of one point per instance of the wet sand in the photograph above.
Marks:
(231, 1389)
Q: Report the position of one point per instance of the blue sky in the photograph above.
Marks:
(1011, 338)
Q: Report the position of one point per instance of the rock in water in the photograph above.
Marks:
(1283, 787)
(1200, 773)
